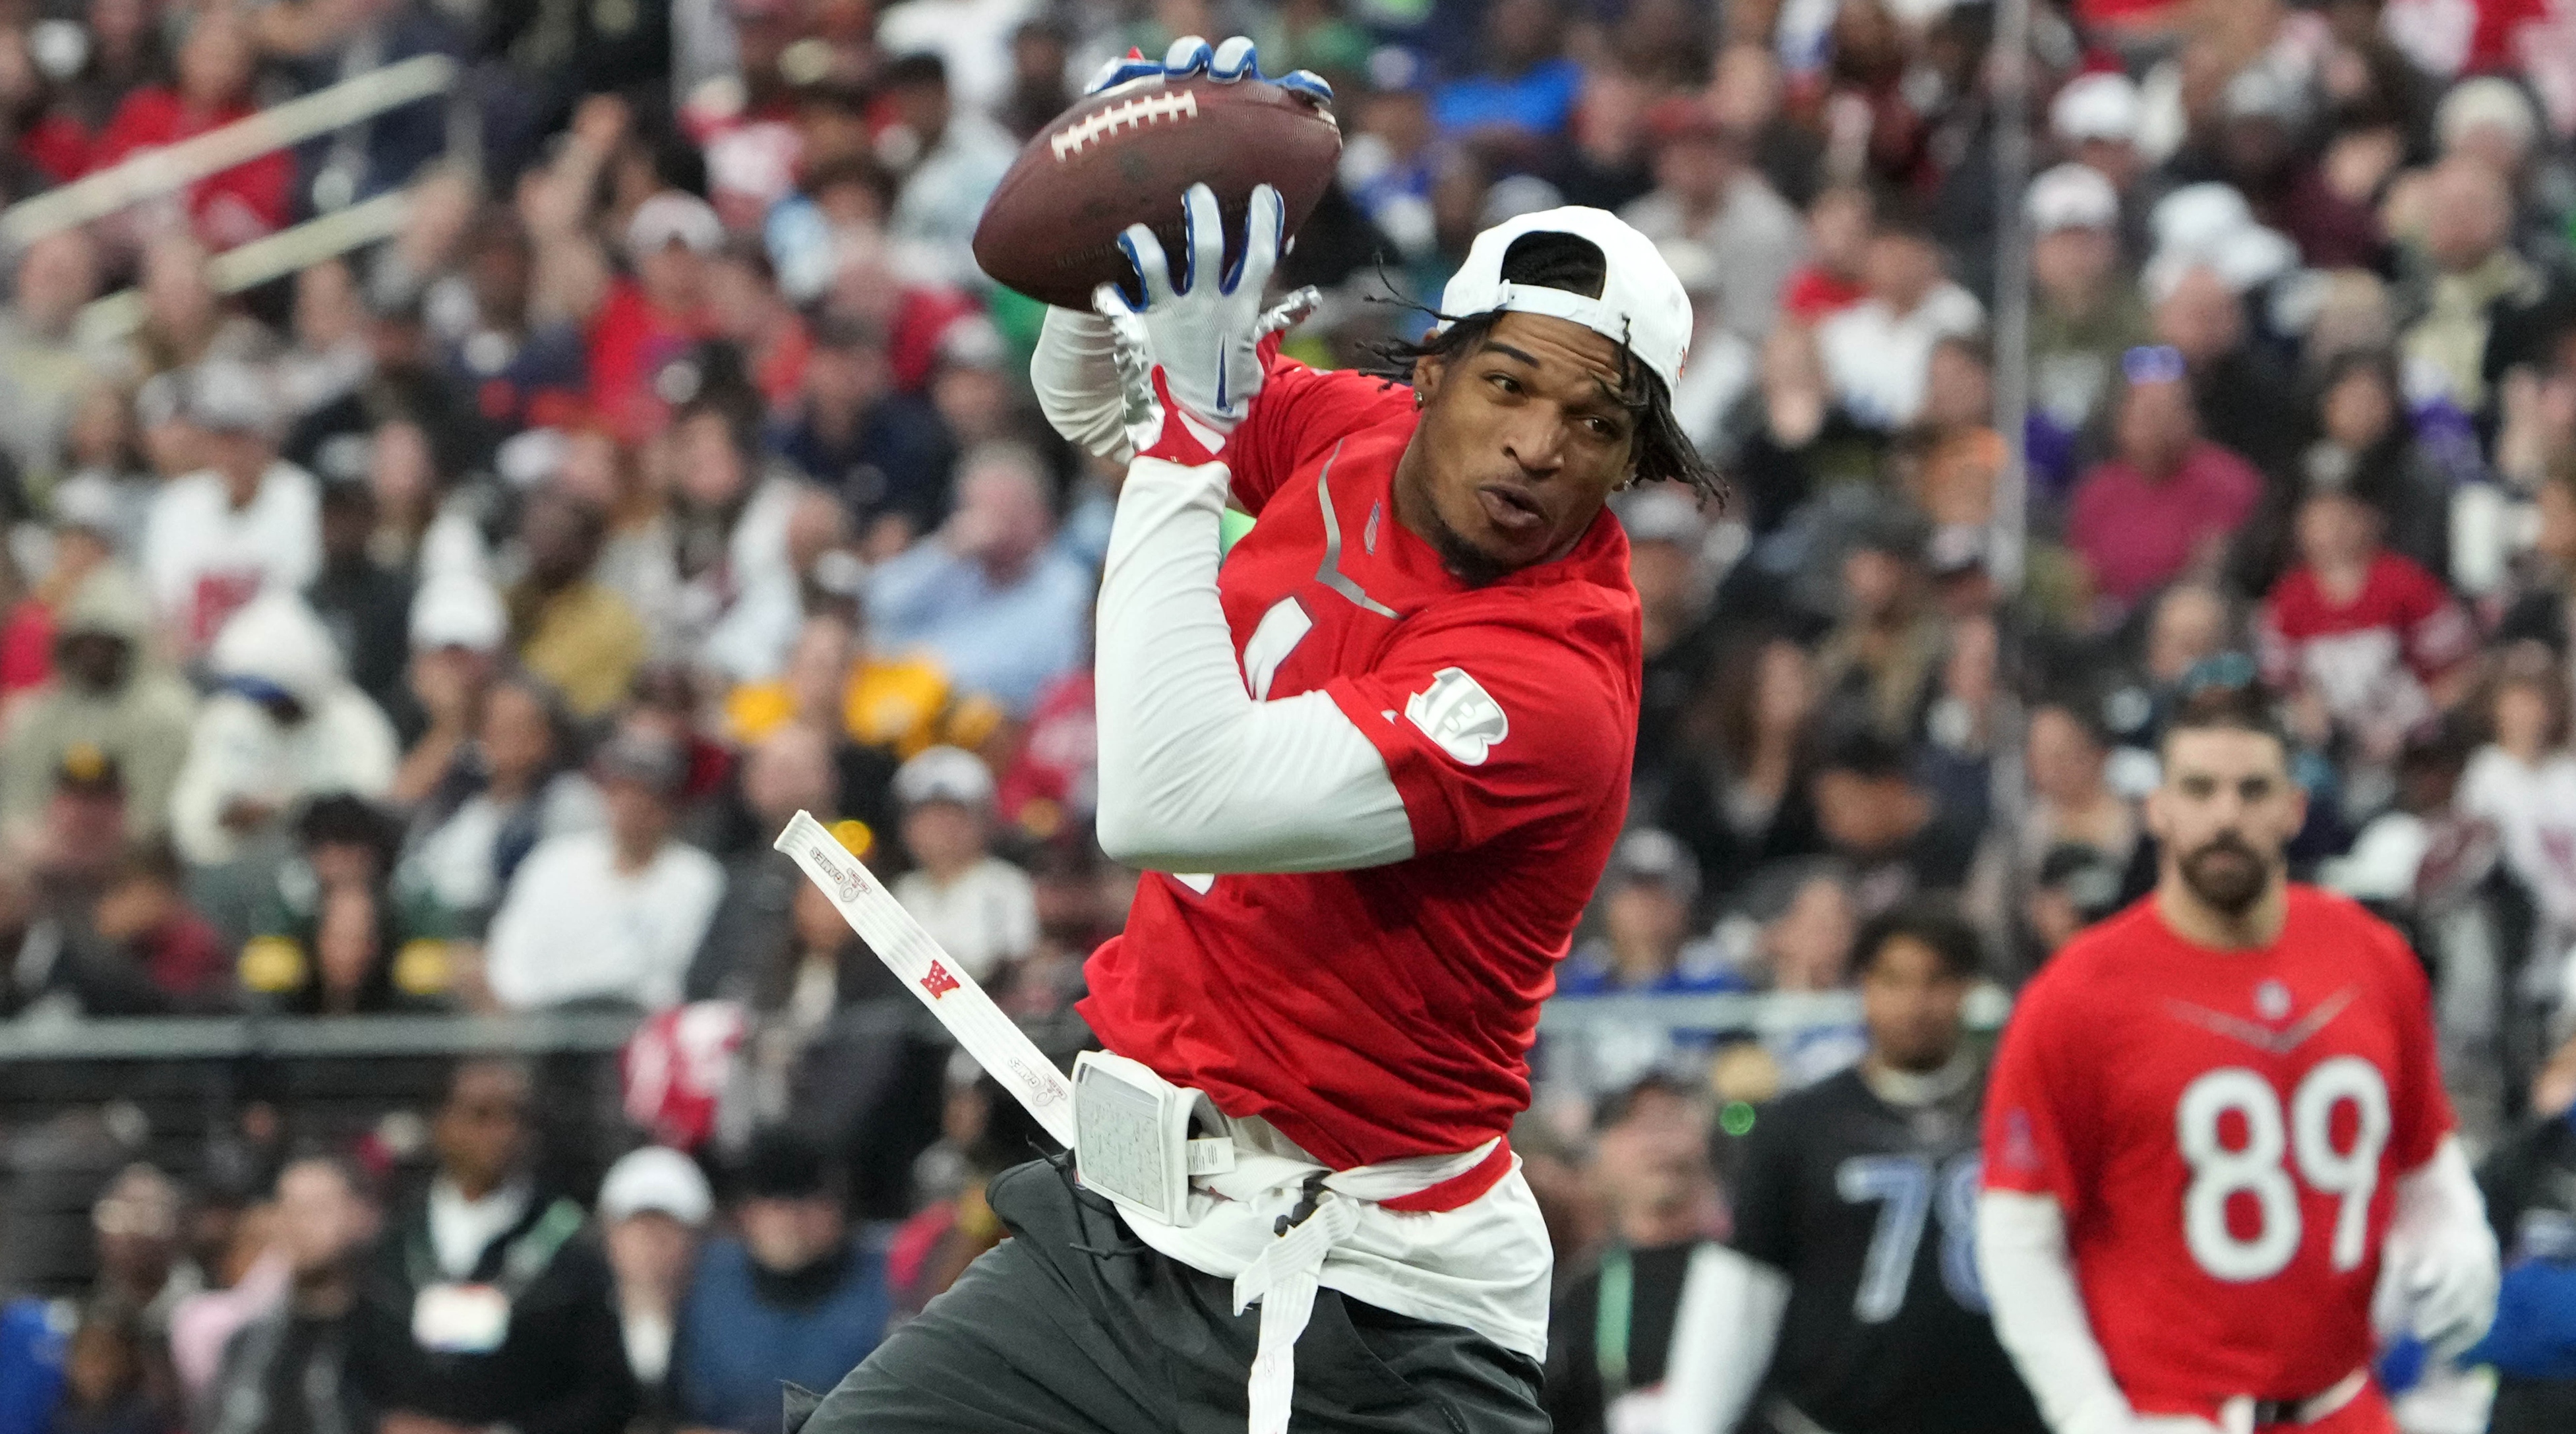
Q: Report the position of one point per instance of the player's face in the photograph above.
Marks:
(1910, 1003)
(1522, 440)
(2224, 814)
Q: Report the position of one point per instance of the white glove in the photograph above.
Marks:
(1231, 61)
(2447, 1290)
(1195, 344)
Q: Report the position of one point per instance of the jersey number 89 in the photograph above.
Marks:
(2261, 1167)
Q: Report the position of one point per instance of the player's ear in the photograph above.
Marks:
(1427, 373)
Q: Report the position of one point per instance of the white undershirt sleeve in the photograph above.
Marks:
(2039, 1313)
(1195, 775)
(1723, 1334)
(1076, 378)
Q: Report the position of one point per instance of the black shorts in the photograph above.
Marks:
(1074, 1326)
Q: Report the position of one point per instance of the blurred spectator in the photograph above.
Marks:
(1838, 225)
(2096, 116)
(141, 1268)
(365, 605)
(1877, 666)
(653, 1210)
(331, 354)
(1706, 194)
(883, 453)
(1523, 87)
(455, 628)
(2085, 312)
(1648, 897)
(283, 725)
(526, 367)
(236, 205)
(486, 1304)
(215, 538)
(1876, 352)
(787, 771)
(980, 908)
(107, 1377)
(611, 915)
(109, 692)
(1652, 1163)
(2523, 782)
(513, 789)
(45, 369)
(2167, 500)
(335, 936)
(1877, 815)
(2364, 445)
(2468, 211)
(989, 594)
(657, 316)
(2362, 641)
(953, 156)
(736, 521)
(157, 953)
(794, 1297)
(288, 1370)
(2238, 388)
(565, 626)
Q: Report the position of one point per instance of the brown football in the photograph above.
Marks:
(1125, 155)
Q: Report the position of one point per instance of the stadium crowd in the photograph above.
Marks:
(450, 625)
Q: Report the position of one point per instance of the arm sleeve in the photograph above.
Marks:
(1194, 774)
(1723, 1333)
(1077, 383)
(2039, 1313)
(2031, 1143)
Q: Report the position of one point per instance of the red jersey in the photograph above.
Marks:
(2370, 658)
(1389, 1012)
(2224, 1131)
(240, 204)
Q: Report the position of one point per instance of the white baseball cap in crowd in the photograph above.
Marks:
(674, 217)
(1642, 303)
(655, 1179)
(944, 774)
(457, 610)
(2071, 196)
(2103, 105)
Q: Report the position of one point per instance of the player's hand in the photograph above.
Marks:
(2447, 1291)
(1233, 60)
(1190, 357)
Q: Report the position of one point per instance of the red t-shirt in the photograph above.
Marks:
(234, 207)
(2135, 534)
(2224, 1131)
(1389, 1012)
(1813, 295)
(2401, 630)
(630, 341)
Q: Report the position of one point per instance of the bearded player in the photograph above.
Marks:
(2216, 1133)
(1374, 764)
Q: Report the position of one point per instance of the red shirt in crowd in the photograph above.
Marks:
(1389, 1012)
(2136, 534)
(2373, 657)
(2223, 1131)
(631, 338)
(1813, 294)
(238, 205)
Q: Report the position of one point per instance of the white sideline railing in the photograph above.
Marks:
(235, 270)
(159, 171)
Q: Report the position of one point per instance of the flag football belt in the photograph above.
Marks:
(1135, 1136)
(2269, 1412)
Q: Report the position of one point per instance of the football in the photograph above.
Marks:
(1123, 156)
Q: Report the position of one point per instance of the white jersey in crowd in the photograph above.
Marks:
(988, 915)
(203, 558)
(575, 928)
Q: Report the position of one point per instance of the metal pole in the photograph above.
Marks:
(2008, 540)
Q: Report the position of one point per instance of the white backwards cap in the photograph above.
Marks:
(1642, 303)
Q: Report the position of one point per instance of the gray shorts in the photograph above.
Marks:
(1073, 1326)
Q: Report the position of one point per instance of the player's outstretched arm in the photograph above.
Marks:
(1195, 773)
(2039, 1318)
(2441, 1270)
(1723, 1332)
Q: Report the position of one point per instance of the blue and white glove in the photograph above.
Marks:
(1225, 64)
(1192, 355)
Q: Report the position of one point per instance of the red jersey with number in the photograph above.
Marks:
(2224, 1131)
(1389, 1012)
